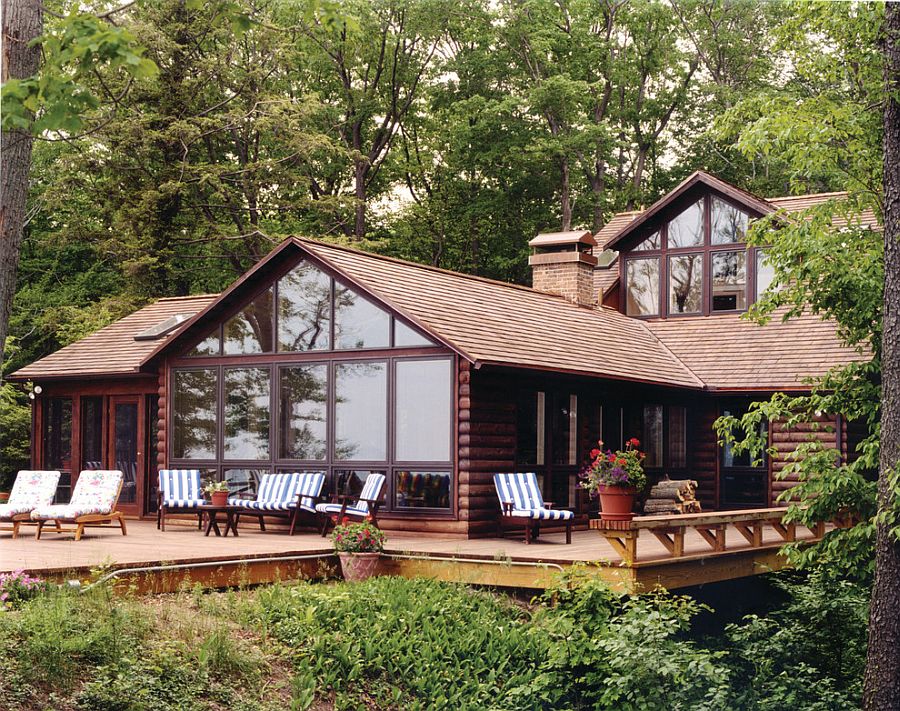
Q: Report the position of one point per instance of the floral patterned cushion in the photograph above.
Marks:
(96, 492)
(31, 489)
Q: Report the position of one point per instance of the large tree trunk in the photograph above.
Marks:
(359, 179)
(881, 691)
(22, 22)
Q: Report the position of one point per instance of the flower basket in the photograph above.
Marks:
(358, 546)
(617, 478)
(359, 566)
(616, 502)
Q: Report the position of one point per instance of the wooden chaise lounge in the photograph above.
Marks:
(93, 503)
(30, 490)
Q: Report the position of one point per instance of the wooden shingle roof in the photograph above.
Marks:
(113, 351)
(728, 352)
(495, 323)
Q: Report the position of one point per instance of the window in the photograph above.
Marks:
(530, 429)
(642, 280)
(211, 345)
(92, 433)
(728, 223)
(564, 429)
(765, 273)
(195, 397)
(358, 323)
(650, 243)
(361, 411)
(653, 435)
(421, 489)
(729, 281)
(685, 284)
(250, 330)
(405, 337)
(246, 413)
(743, 481)
(243, 482)
(57, 439)
(304, 309)
(686, 229)
(677, 436)
(422, 410)
(303, 407)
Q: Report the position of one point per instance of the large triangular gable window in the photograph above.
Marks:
(308, 310)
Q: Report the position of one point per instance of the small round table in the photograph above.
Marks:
(212, 524)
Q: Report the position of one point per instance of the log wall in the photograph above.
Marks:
(486, 444)
(785, 441)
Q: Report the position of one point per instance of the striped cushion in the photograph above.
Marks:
(371, 492)
(180, 487)
(543, 514)
(279, 492)
(183, 503)
(349, 511)
(520, 489)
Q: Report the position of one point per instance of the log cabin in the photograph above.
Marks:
(326, 358)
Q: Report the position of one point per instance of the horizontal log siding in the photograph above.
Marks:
(703, 452)
(785, 441)
(487, 444)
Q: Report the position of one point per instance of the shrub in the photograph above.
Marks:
(17, 587)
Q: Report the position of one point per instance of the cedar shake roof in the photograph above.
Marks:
(492, 322)
(605, 279)
(731, 353)
(112, 351)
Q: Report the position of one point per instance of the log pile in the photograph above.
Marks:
(673, 496)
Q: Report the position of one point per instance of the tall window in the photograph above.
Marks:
(57, 443)
(665, 436)
(305, 401)
(700, 259)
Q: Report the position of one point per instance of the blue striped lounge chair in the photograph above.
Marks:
(521, 503)
(365, 507)
(283, 494)
(179, 492)
(30, 490)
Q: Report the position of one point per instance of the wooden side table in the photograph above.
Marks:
(231, 514)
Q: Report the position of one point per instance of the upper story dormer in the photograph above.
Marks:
(687, 255)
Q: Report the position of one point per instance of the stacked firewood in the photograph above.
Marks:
(673, 496)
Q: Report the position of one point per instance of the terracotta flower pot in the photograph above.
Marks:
(616, 502)
(219, 498)
(359, 566)
(4, 497)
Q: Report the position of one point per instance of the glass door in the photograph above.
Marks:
(126, 451)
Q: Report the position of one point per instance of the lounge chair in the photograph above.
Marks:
(179, 492)
(289, 494)
(93, 501)
(364, 508)
(521, 503)
(30, 490)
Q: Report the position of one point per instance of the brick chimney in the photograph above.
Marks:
(562, 263)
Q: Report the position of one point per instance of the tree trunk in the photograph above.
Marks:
(565, 196)
(22, 22)
(881, 690)
(359, 178)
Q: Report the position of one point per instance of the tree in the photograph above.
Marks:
(882, 681)
(22, 24)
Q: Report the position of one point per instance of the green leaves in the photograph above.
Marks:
(77, 47)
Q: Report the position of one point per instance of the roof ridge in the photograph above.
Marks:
(807, 195)
(183, 298)
(439, 270)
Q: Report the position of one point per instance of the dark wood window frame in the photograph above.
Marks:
(666, 464)
(707, 249)
(274, 360)
(765, 469)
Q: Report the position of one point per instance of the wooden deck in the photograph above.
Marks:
(253, 557)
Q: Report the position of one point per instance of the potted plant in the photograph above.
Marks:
(359, 547)
(617, 477)
(218, 492)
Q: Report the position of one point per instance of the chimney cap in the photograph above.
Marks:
(559, 239)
